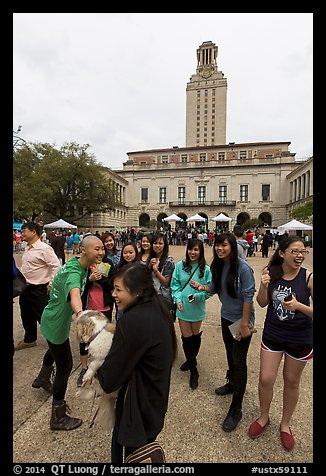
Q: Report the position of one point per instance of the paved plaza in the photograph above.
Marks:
(192, 431)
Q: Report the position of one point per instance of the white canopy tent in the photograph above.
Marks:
(196, 217)
(173, 217)
(294, 225)
(59, 224)
(221, 217)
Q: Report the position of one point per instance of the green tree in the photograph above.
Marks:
(28, 197)
(304, 212)
(251, 222)
(66, 182)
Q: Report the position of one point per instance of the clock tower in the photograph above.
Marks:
(206, 101)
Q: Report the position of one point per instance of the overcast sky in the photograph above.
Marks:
(117, 81)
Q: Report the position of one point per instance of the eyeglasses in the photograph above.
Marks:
(298, 252)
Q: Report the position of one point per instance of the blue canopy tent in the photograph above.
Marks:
(16, 225)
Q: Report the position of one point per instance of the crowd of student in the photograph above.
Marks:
(136, 286)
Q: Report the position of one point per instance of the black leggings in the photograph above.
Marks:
(62, 356)
(236, 354)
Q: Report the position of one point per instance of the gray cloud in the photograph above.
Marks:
(118, 81)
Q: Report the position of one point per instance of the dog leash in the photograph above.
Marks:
(93, 337)
(91, 422)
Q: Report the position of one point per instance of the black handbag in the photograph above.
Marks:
(19, 284)
(170, 305)
(150, 453)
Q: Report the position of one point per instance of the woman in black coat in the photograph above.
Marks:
(139, 362)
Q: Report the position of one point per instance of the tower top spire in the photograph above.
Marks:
(207, 59)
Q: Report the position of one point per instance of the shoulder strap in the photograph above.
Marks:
(190, 277)
(169, 259)
(308, 278)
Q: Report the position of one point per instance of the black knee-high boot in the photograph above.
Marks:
(190, 353)
(197, 343)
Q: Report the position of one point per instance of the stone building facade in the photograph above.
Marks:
(241, 180)
(115, 218)
(249, 180)
(208, 176)
(300, 184)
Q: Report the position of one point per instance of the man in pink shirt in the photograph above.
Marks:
(39, 265)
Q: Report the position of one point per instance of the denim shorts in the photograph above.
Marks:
(302, 352)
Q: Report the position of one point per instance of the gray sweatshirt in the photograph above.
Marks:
(243, 246)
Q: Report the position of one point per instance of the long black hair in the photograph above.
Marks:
(275, 265)
(122, 261)
(138, 280)
(114, 249)
(149, 236)
(165, 252)
(201, 260)
(218, 264)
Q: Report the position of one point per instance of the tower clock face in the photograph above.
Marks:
(206, 72)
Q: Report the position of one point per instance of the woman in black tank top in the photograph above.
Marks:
(286, 288)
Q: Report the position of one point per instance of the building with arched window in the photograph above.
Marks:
(244, 181)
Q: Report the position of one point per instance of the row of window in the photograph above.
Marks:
(201, 193)
(73, 211)
(206, 93)
(203, 156)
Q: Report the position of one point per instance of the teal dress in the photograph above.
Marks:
(196, 310)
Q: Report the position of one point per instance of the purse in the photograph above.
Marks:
(236, 326)
(19, 284)
(150, 453)
(170, 305)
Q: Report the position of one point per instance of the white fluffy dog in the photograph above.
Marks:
(95, 330)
